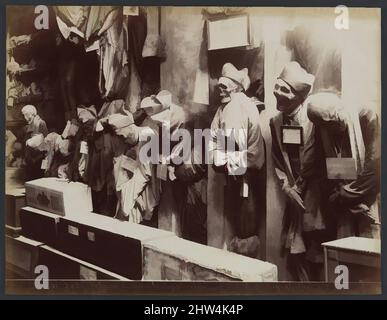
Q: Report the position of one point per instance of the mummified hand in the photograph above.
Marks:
(130, 133)
(294, 197)
(333, 198)
(336, 197)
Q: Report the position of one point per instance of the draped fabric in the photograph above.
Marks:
(368, 178)
(301, 168)
(103, 147)
(33, 157)
(307, 181)
(357, 199)
(78, 165)
(38, 125)
(242, 207)
(178, 207)
(137, 30)
(114, 62)
(10, 139)
(129, 184)
(138, 191)
(72, 16)
(88, 20)
(106, 24)
(242, 116)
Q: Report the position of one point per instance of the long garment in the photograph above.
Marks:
(139, 188)
(190, 190)
(245, 190)
(103, 147)
(180, 208)
(37, 126)
(106, 24)
(356, 206)
(298, 167)
(33, 157)
(85, 21)
(10, 140)
(114, 62)
(137, 191)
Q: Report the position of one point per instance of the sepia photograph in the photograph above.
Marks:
(168, 149)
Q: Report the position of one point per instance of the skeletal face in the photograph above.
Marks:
(287, 100)
(226, 88)
(224, 93)
(29, 117)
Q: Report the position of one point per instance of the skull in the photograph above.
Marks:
(287, 100)
(226, 88)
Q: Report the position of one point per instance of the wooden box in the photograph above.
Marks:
(14, 201)
(39, 225)
(107, 242)
(179, 259)
(64, 266)
(58, 196)
(360, 255)
(21, 255)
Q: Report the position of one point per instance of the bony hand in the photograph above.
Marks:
(130, 133)
(145, 132)
(220, 158)
(35, 141)
(294, 196)
(177, 154)
(236, 163)
(337, 195)
(334, 197)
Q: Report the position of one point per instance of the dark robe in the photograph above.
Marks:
(180, 200)
(355, 203)
(300, 167)
(33, 157)
(245, 193)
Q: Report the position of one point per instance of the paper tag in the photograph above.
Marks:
(162, 171)
(91, 236)
(292, 135)
(84, 147)
(245, 189)
(10, 101)
(87, 274)
(44, 164)
(73, 230)
(341, 168)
